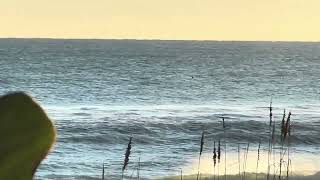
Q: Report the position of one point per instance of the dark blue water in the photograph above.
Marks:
(101, 92)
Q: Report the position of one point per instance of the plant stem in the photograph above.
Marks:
(239, 161)
(102, 171)
(258, 160)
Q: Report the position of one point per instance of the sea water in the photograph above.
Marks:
(99, 93)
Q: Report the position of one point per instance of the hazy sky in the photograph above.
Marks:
(162, 19)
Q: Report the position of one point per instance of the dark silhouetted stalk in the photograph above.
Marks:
(289, 135)
(239, 161)
(270, 112)
(201, 149)
(219, 156)
(102, 171)
(273, 139)
(283, 129)
(127, 155)
(287, 125)
(245, 162)
(225, 148)
(270, 146)
(258, 158)
(214, 159)
(285, 134)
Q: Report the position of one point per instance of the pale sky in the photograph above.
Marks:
(277, 20)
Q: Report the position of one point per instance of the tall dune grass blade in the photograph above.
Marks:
(287, 125)
(214, 154)
(103, 171)
(201, 143)
(289, 134)
(239, 161)
(127, 155)
(219, 151)
(258, 158)
(225, 148)
(272, 147)
(219, 155)
(285, 132)
(214, 159)
(270, 142)
(283, 123)
(201, 149)
(245, 162)
(270, 111)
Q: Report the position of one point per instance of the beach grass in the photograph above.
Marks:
(249, 176)
(280, 168)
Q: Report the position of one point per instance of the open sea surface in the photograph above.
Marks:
(163, 93)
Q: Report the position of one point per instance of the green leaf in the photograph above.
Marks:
(26, 136)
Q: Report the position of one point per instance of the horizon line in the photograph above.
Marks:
(151, 39)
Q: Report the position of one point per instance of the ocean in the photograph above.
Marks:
(99, 93)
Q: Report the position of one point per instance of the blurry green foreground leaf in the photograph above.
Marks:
(26, 136)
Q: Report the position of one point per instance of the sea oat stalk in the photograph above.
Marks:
(201, 149)
(127, 155)
(102, 171)
(214, 159)
(270, 142)
(225, 148)
(239, 161)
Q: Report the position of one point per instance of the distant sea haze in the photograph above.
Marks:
(163, 93)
